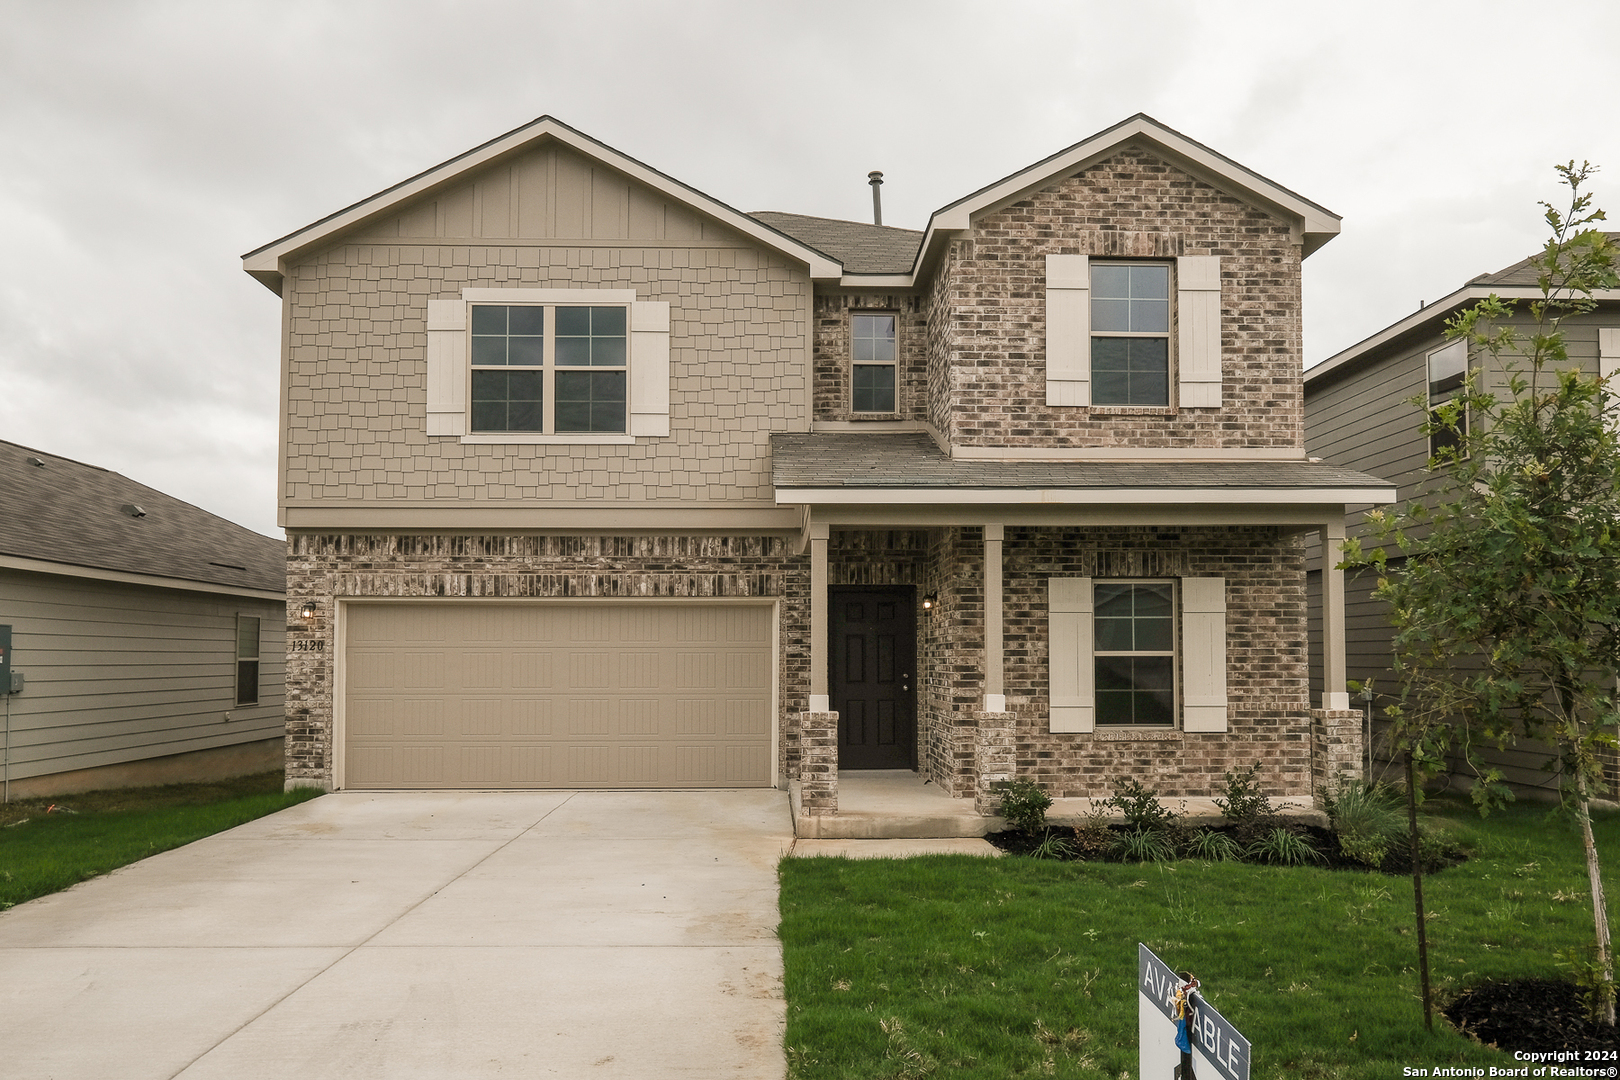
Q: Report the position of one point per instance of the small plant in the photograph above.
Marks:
(1244, 801)
(1365, 819)
(1585, 969)
(1140, 806)
(1053, 846)
(1211, 845)
(1282, 847)
(1144, 845)
(1092, 837)
(1023, 804)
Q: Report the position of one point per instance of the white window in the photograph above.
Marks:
(1448, 370)
(1115, 335)
(1114, 660)
(247, 660)
(548, 365)
(873, 363)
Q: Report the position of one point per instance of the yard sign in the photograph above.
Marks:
(1217, 1051)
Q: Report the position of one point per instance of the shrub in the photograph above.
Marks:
(1282, 847)
(1140, 806)
(1365, 819)
(1144, 845)
(1244, 802)
(1023, 804)
(1212, 846)
(1053, 846)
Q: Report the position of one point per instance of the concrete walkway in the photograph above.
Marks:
(402, 935)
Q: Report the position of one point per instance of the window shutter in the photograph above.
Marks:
(649, 367)
(1609, 354)
(1070, 670)
(1198, 330)
(447, 367)
(1068, 330)
(1203, 647)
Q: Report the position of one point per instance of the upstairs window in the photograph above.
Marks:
(247, 660)
(549, 369)
(872, 375)
(1448, 369)
(1130, 334)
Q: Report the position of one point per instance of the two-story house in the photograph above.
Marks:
(1365, 407)
(593, 481)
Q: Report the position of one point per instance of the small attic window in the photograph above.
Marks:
(132, 510)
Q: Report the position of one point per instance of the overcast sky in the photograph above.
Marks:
(144, 146)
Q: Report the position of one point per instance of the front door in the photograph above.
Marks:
(873, 676)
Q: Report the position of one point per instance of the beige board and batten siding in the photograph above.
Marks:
(118, 673)
(739, 348)
(460, 694)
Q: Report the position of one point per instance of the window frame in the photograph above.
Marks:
(1168, 335)
(892, 364)
(548, 368)
(1098, 654)
(249, 669)
(1445, 390)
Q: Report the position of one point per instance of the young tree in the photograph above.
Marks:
(1506, 607)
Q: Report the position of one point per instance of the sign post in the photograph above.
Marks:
(1212, 1048)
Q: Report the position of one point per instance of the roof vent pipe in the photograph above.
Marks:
(875, 178)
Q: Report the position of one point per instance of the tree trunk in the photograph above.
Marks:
(1417, 891)
(1600, 910)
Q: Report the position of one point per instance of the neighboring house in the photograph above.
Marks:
(1362, 410)
(593, 481)
(149, 635)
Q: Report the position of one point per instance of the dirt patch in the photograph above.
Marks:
(1538, 1015)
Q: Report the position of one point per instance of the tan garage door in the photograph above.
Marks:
(461, 694)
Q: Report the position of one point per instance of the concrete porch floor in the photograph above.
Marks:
(880, 804)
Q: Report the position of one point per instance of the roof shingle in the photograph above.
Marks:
(862, 248)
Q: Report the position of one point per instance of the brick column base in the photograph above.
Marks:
(1335, 747)
(994, 758)
(818, 771)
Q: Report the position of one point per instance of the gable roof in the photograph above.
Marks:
(1315, 225)
(862, 248)
(67, 513)
(264, 263)
(1515, 282)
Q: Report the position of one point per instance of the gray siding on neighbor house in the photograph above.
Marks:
(118, 673)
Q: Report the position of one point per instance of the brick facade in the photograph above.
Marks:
(833, 352)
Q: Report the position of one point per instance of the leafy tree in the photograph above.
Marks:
(1506, 607)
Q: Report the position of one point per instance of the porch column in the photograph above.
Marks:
(819, 702)
(995, 695)
(1334, 693)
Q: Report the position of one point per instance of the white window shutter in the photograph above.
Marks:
(1198, 330)
(447, 367)
(1609, 355)
(1203, 659)
(649, 367)
(1071, 672)
(1068, 330)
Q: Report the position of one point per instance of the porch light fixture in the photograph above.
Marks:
(307, 612)
(929, 601)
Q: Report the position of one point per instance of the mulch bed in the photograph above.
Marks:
(1538, 1015)
(1094, 849)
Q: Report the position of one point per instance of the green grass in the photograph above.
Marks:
(962, 967)
(43, 850)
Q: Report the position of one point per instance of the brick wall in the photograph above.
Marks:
(987, 320)
(322, 566)
(833, 353)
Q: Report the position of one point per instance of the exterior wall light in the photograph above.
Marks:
(930, 601)
(307, 612)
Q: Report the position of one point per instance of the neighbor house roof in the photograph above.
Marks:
(1516, 282)
(840, 464)
(862, 248)
(64, 513)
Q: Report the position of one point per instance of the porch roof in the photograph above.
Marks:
(846, 467)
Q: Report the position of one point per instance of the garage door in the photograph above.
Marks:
(519, 695)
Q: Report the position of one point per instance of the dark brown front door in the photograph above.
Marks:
(873, 684)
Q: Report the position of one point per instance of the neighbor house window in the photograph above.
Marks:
(1130, 333)
(1448, 369)
(247, 660)
(872, 376)
(1135, 627)
(549, 368)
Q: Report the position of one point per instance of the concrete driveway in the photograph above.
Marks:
(399, 935)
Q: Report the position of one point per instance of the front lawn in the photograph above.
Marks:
(955, 966)
(48, 844)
